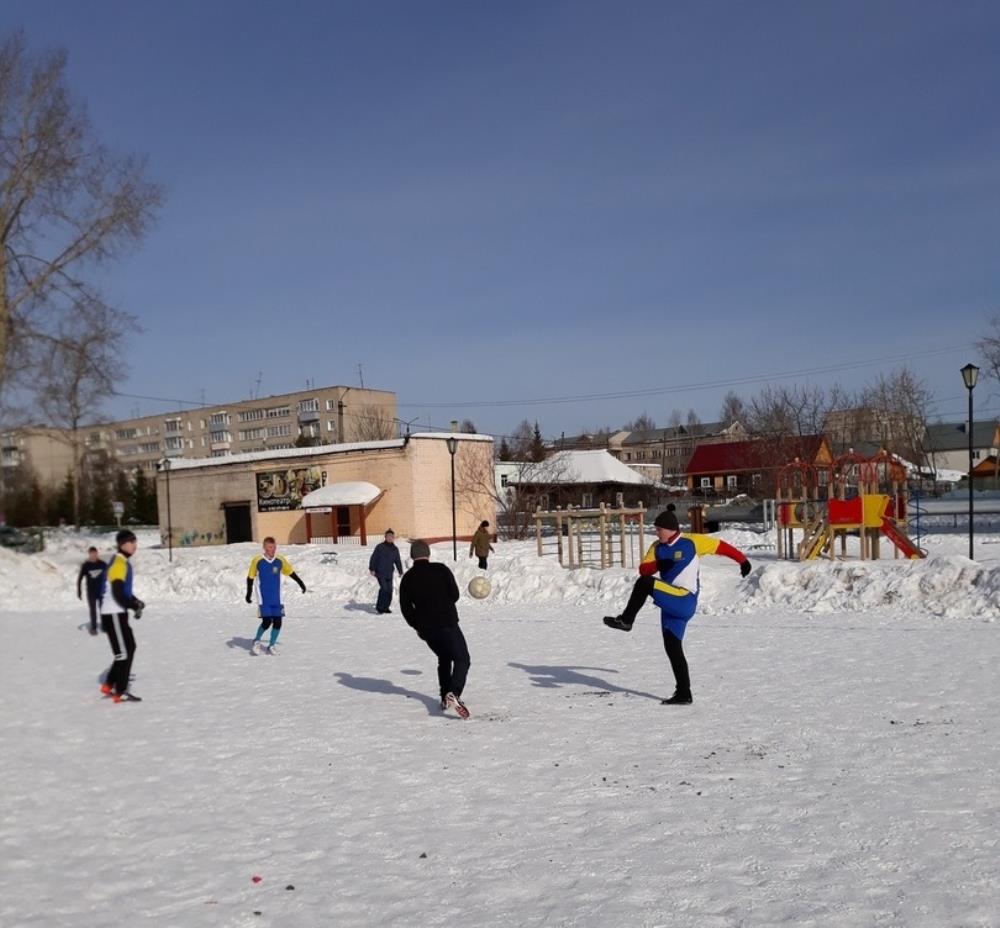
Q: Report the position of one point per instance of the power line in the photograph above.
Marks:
(690, 387)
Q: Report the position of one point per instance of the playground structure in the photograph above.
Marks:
(600, 538)
(854, 496)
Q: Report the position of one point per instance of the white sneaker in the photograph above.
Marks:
(256, 647)
(453, 702)
(272, 649)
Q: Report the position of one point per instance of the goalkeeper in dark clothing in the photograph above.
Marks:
(93, 570)
(116, 601)
(427, 597)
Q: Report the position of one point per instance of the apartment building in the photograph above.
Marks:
(323, 415)
(671, 448)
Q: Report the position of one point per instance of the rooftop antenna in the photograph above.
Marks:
(361, 376)
(256, 392)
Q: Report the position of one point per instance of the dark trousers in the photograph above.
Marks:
(384, 600)
(122, 643)
(93, 602)
(453, 658)
(482, 563)
(678, 662)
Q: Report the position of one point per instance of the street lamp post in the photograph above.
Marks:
(452, 443)
(170, 527)
(970, 374)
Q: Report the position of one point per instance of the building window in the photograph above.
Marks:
(126, 433)
(331, 425)
(224, 435)
(309, 405)
(251, 434)
(173, 443)
(706, 483)
(587, 500)
(170, 426)
(331, 404)
(275, 431)
(219, 418)
(221, 453)
(251, 415)
(279, 412)
(731, 481)
(503, 480)
(149, 447)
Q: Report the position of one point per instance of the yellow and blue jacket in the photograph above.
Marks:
(676, 588)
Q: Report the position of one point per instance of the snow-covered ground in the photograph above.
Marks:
(839, 766)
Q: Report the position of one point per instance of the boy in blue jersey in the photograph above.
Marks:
(266, 571)
(116, 599)
(674, 556)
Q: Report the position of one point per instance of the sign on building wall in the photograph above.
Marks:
(280, 490)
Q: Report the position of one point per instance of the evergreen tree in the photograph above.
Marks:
(60, 506)
(123, 493)
(143, 500)
(504, 453)
(537, 450)
(99, 508)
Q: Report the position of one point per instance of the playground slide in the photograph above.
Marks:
(900, 539)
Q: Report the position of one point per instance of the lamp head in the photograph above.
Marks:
(970, 374)
(452, 444)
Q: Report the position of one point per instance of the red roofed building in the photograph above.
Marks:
(751, 467)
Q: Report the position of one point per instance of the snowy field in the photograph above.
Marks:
(839, 766)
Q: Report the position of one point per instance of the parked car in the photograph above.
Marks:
(16, 540)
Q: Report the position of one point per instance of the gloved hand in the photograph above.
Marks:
(663, 564)
(79, 595)
(249, 598)
(745, 568)
(302, 586)
(137, 606)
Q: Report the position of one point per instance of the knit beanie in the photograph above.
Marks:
(668, 520)
(419, 548)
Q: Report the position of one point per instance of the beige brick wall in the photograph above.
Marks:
(416, 501)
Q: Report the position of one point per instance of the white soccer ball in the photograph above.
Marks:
(479, 588)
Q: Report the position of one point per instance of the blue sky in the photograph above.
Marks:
(487, 202)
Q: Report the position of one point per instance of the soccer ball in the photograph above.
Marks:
(479, 588)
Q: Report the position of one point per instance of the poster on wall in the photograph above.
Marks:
(281, 490)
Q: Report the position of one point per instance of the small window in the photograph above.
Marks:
(706, 483)
(587, 500)
(731, 481)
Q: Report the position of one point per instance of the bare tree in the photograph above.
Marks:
(75, 377)
(67, 205)
(897, 405)
(468, 427)
(783, 412)
(374, 423)
(520, 440)
(733, 409)
(989, 348)
(642, 423)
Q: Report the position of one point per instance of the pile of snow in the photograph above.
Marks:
(946, 584)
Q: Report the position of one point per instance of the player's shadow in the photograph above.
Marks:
(553, 676)
(373, 685)
(244, 643)
(355, 606)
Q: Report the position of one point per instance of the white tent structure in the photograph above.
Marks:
(334, 496)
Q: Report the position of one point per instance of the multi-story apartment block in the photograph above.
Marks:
(671, 448)
(320, 416)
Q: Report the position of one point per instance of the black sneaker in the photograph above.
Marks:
(126, 697)
(678, 699)
(616, 621)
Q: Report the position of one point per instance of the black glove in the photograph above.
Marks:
(663, 564)
(302, 586)
(137, 606)
(745, 568)
(249, 598)
(79, 595)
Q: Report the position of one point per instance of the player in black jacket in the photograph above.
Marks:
(427, 597)
(93, 569)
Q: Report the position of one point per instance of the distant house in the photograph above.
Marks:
(579, 478)
(947, 445)
(730, 468)
(670, 449)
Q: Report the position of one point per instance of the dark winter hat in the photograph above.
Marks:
(419, 549)
(668, 520)
(124, 536)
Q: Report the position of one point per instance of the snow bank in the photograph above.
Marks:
(946, 584)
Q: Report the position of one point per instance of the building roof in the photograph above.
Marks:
(579, 467)
(348, 493)
(753, 455)
(954, 436)
(672, 433)
(283, 453)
